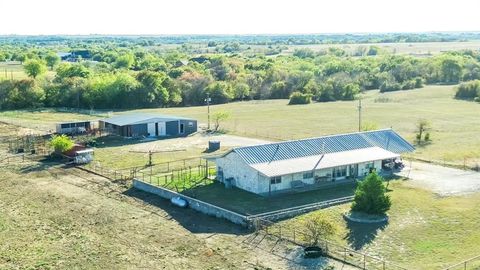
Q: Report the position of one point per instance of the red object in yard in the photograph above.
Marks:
(73, 152)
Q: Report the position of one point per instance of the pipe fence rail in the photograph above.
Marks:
(470, 264)
(182, 179)
(330, 249)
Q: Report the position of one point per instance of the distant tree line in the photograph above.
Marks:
(119, 76)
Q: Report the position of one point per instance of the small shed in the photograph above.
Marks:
(78, 127)
(149, 125)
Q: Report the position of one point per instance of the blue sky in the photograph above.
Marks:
(235, 17)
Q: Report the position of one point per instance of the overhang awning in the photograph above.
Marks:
(305, 164)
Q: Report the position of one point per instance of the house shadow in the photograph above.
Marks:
(193, 221)
(361, 234)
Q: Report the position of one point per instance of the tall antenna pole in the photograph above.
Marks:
(208, 109)
(359, 114)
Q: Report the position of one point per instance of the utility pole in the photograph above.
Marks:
(208, 99)
(359, 114)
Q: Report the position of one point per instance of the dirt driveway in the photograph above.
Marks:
(443, 181)
(199, 140)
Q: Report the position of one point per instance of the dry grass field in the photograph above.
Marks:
(64, 218)
(455, 123)
(414, 48)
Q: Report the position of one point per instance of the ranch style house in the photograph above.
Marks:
(315, 162)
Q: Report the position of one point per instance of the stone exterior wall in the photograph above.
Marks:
(249, 179)
(234, 167)
(195, 204)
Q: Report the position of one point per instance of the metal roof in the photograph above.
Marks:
(141, 118)
(386, 139)
(317, 162)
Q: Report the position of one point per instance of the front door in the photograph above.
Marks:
(151, 129)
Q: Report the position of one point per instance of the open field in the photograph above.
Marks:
(424, 231)
(455, 123)
(414, 48)
(14, 70)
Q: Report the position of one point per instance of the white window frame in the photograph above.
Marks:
(275, 180)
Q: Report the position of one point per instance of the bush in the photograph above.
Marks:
(388, 86)
(468, 90)
(370, 197)
(300, 98)
(61, 143)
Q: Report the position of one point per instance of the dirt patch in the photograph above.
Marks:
(65, 218)
(199, 140)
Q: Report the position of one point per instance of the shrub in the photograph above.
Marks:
(388, 86)
(61, 143)
(468, 90)
(370, 197)
(318, 227)
(300, 98)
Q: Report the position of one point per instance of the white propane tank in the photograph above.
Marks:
(179, 201)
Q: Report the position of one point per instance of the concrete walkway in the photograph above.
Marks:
(441, 180)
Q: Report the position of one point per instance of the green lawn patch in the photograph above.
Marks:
(244, 202)
(424, 231)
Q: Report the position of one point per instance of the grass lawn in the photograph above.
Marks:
(244, 202)
(424, 231)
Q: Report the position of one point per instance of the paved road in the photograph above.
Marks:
(444, 181)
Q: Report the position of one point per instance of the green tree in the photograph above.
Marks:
(34, 68)
(61, 143)
(423, 126)
(370, 196)
(241, 91)
(318, 227)
(451, 69)
(66, 70)
(151, 84)
(25, 94)
(52, 60)
(220, 117)
(125, 61)
(220, 92)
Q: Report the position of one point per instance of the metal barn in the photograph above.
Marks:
(149, 125)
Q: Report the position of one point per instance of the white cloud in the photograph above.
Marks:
(235, 17)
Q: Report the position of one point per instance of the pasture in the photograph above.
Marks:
(14, 70)
(454, 123)
(415, 48)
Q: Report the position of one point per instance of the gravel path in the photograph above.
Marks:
(443, 181)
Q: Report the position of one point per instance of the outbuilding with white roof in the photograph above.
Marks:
(149, 125)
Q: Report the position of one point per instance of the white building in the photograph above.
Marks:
(275, 167)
